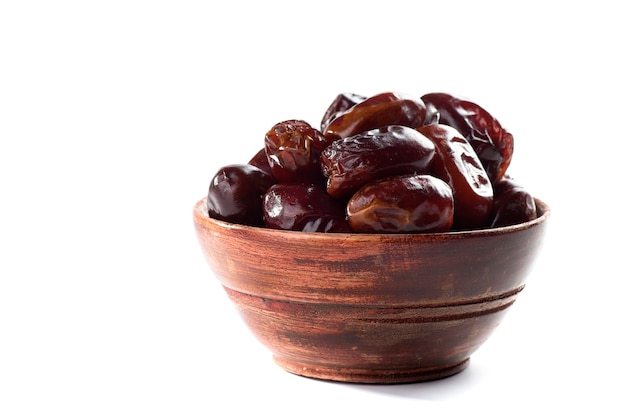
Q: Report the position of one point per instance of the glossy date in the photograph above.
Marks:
(512, 204)
(352, 162)
(340, 104)
(302, 207)
(458, 165)
(402, 204)
(293, 150)
(236, 194)
(387, 163)
(260, 161)
(374, 112)
(493, 144)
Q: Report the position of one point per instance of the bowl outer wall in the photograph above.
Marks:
(386, 270)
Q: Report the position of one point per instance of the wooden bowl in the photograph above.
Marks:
(371, 308)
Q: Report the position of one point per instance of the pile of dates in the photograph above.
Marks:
(388, 163)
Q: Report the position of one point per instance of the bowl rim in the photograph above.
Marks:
(201, 216)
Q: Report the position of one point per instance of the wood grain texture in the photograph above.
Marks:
(371, 308)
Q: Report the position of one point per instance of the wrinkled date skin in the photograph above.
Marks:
(352, 162)
(512, 204)
(236, 194)
(492, 143)
(302, 207)
(378, 164)
(377, 111)
(341, 103)
(402, 204)
(458, 165)
(293, 150)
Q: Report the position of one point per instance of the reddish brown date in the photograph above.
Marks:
(492, 143)
(301, 207)
(402, 204)
(458, 165)
(260, 161)
(392, 150)
(236, 194)
(341, 103)
(512, 204)
(377, 111)
(293, 149)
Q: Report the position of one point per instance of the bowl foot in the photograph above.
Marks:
(370, 376)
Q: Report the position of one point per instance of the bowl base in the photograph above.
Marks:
(370, 376)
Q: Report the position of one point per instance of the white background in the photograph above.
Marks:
(114, 115)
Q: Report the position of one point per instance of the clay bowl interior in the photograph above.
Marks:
(371, 308)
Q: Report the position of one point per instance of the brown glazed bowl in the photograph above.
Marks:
(371, 308)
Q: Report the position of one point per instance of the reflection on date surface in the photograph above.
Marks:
(388, 163)
(402, 204)
(354, 161)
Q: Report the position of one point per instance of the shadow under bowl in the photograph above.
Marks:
(371, 308)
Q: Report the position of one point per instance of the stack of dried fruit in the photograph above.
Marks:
(384, 164)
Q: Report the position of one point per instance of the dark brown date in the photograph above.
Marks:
(260, 161)
(392, 150)
(512, 204)
(458, 165)
(341, 103)
(293, 150)
(402, 204)
(492, 143)
(300, 207)
(236, 194)
(377, 111)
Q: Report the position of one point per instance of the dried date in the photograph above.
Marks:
(236, 194)
(260, 161)
(302, 207)
(493, 144)
(512, 204)
(293, 150)
(392, 150)
(340, 104)
(377, 111)
(402, 204)
(458, 165)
